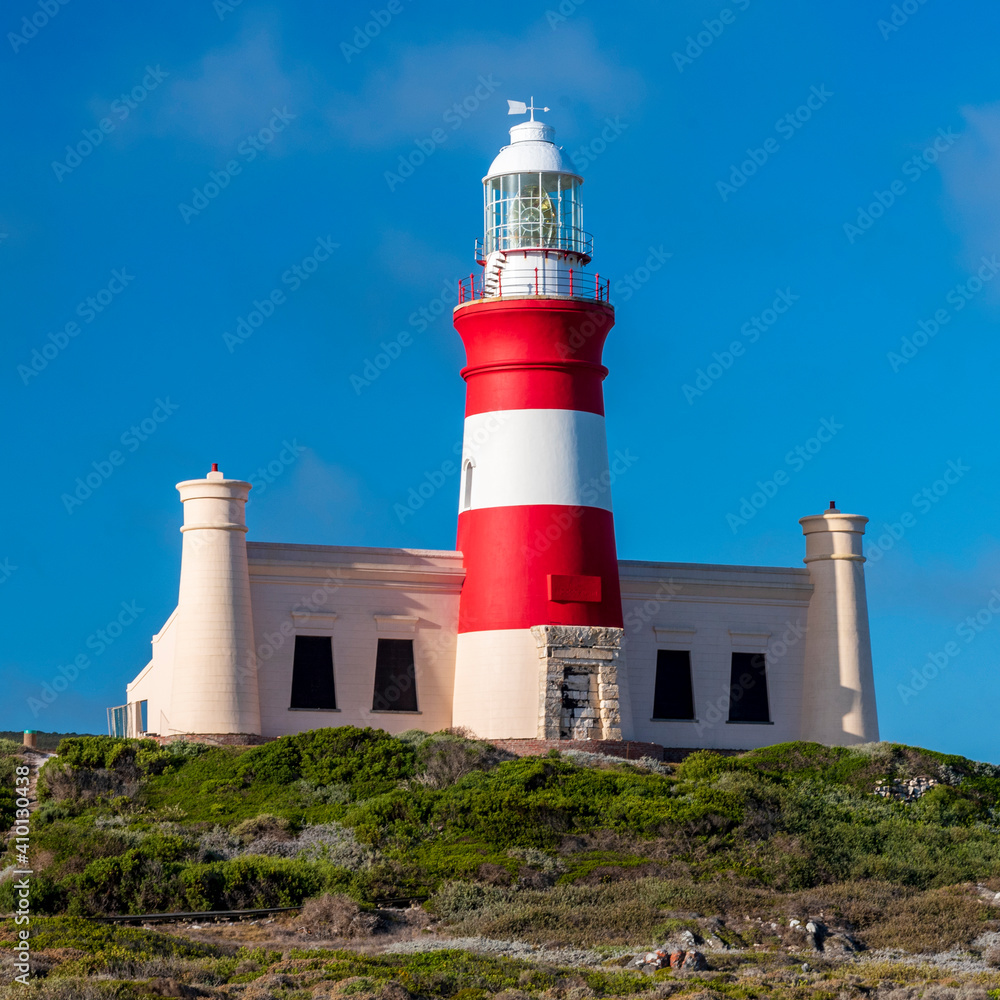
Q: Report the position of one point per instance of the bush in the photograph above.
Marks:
(930, 922)
(337, 916)
(130, 757)
(262, 825)
(444, 758)
(249, 882)
(369, 761)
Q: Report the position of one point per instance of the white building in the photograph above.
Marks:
(269, 639)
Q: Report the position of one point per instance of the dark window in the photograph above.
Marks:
(467, 489)
(673, 697)
(312, 672)
(748, 689)
(395, 678)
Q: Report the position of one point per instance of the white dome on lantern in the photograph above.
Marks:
(531, 149)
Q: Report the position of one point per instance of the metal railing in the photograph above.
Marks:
(577, 286)
(565, 239)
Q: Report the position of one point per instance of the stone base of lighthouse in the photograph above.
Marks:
(578, 682)
(544, 682)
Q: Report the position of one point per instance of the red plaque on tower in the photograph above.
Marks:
(574, 588)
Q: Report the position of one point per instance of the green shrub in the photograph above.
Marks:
(250, 882)
(368, 760)
(112, 753)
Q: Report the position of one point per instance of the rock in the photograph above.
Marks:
(686, 940)
(694, 961)
(393, 990)
(676, 959)
(839, 943)
(905, 791)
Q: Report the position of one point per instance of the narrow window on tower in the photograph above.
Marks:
(748, 689)
(467, 470)
(312, 673)
(673, 697)
(395, 677)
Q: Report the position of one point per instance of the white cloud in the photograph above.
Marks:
(232, 91)
(315, 502)
(970, 171)
(566, 70)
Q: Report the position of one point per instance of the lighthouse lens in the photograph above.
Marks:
(533, 210)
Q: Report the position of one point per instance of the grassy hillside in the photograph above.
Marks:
(574, 849)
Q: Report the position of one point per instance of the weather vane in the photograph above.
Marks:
(520, 108)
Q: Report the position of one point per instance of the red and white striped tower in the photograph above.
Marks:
(540, 616)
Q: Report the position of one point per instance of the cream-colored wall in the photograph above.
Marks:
(355, 595)
(214, 675)
(839, 694)
(154, 683)
(498, 687)
(714, 611)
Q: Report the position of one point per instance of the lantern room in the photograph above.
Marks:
(532, 197)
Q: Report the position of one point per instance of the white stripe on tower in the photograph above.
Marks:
(522, 457)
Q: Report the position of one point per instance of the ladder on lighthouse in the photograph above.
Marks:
(492, 283)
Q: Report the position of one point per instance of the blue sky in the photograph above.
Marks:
(175, 165)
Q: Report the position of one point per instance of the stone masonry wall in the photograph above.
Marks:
(578, 682)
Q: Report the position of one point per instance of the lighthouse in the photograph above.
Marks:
(540, 612)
